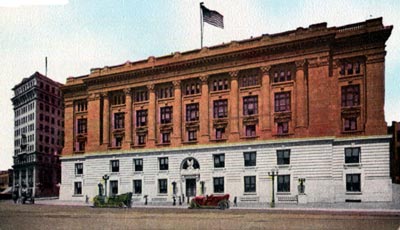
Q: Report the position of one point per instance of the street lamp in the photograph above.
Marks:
(273, 174)
(105, 178)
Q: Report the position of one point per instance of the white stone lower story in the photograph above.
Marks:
(334, 169)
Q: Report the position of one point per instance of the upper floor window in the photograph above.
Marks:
(350, 68)
(250, 78)
(250, 105)
(138, 165)
(166, 137)
(80, 106)
(282, 75)
(350, 124)
(141, 118)
(352, 155)
(219, 160)
(283, 127)
(82, 126)
(166, 115)
(141, 95)
(141, 139)
(192, 112)
(250, 130)
(282, 102)
(78, 168)
(192, 88)
(114, 165)
(163, 163)
(118, 99)
(119, 119)
(219, 133)
(220, 108)
(192, 135)
(283, 157)
(165, 92)
(350, 95)
(250, 159)
(220, 84)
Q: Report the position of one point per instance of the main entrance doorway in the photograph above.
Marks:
(191, 187)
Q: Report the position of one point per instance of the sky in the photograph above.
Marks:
(77, 35)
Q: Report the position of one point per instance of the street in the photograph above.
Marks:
(80, 217)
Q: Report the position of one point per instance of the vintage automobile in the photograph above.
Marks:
(123, 200)
(211, 201)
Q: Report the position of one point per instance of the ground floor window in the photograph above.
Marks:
(353, 183)
(78, 188)
(137, 186)
(284, 183)
(114, 187)
(218, 184)
(162, 186)
(249, 184)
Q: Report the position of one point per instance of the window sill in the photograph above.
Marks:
(162, 194)
(77, 195)
(250, 167)
(192, 95)
(352, 132)
(79, 152)
(354, 193)
(250, 87)
(283, 193)
(286, 166)
(249, 137)
(163, 144)
(219, 91)
(138, 173)
(79, 175)
(165, 99)
(190, 142)
(137, 195)
(351, 75)
(219, 169)
(352, 165)
(163, 171)
(141, 102)
(139, 146)
(114, 148)
(219, 140)
(114, 173)
(282, 83)
(250, 193)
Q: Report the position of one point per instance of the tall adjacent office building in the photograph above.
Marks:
(305, 104)
(38, 135)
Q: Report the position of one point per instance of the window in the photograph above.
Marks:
(78, 168)
(141, 118)
(250, 159)
(218, 185)
(250, 105)
(162, 186)
(192, 88)
(78, 188)
(166, 115)
(166, 138)
(192, 135)
(219, 133)
(163, 162)
(352, 155)
(249, 184)
(118, 141)
(250, 130)
(250, 78)
(114, 187)
(165, 92)
(220, 84)
(350, 124)
(118, 99)
(138, 165)
(283, 157)
(192, 112)
(353, 183)
(283, 183)
(283, 128)
(141, 96)
(141, 139)
(81, 146)
(349, 68)
(219, 160)
(350, 95)
(119, 120)
(282, 102)
(137, 186)
(220, 108)
(282, 75)
(82, 126)
(114, 165)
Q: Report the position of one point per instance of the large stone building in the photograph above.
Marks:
(38, 135)
(307, 104)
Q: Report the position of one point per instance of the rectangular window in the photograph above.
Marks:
(114, 165)
(78, 168)
(137, 186)
(352, 155)
(220, 84)
(113, 187)
(166, 115)
(119, 120)
(282, 102)
(162, 186)
(165, 92)
(118, 141)
(353, 183)
(283, 128)
(350, 95)
(250, 105)
(192, 88)
(249, 184)
(250, 159)
(192, 112)
(138, 165)
(283, 157)
(163, 163)
(141, 118)
(219, 133)
(218, 185)
(82, 126)
(219, 160)
(220, 108)
(192, 135)
(78, 188)
(141, 96)
(141, 139)
(250, 79)
(350, 124)
(250, 130)
(166, 138)
(283, 183)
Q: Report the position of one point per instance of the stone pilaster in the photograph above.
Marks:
(265, 113)
(68, 128)
(204, 111)
(151, 124)
(177, 114)
(106, 120)
(234, 105)
(301, 95)
(93, 122)
(128, 119)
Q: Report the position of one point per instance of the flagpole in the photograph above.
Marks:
(201, 25)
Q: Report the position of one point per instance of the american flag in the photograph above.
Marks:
(212, 17)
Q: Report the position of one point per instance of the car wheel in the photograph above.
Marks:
(222, 205)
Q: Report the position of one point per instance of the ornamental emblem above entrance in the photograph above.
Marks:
(190, 166)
